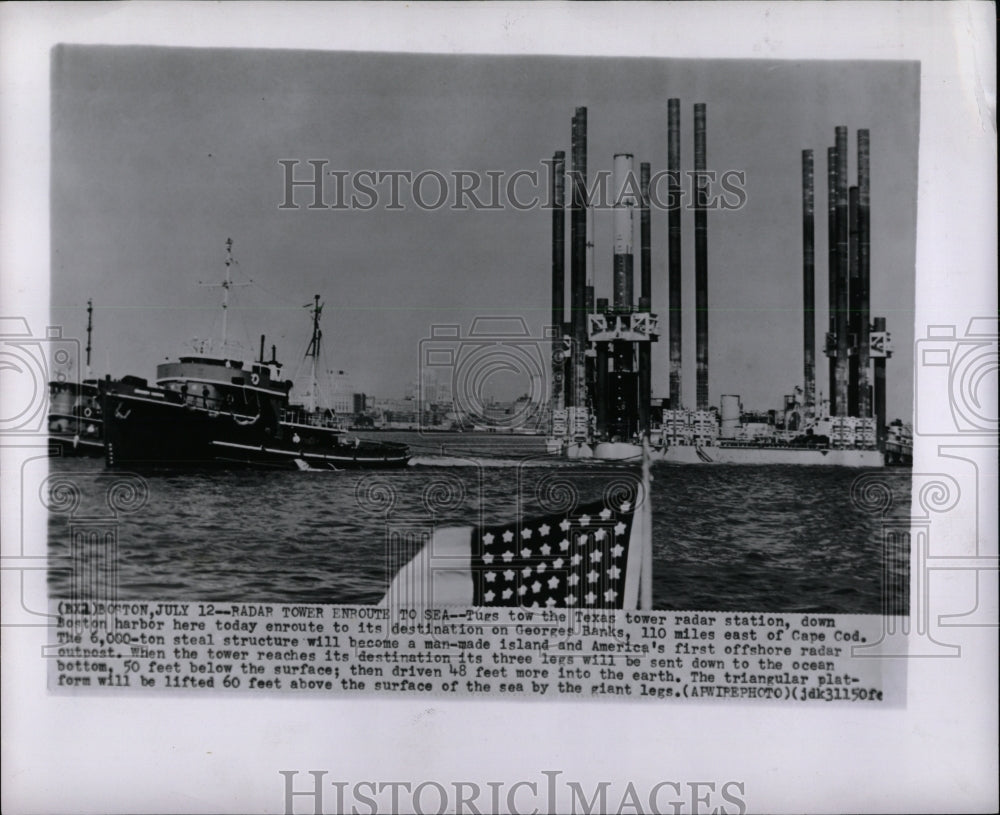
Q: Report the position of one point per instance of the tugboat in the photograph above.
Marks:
(76, 427)
(214, 410)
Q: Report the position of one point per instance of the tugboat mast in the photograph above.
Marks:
(225, 290)
(90, 327)
(313, 351)
(226, 285)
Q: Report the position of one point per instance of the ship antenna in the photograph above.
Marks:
(225, 290)
(226, 285)
(313, 350)
(90, 328)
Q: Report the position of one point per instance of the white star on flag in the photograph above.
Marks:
(526, 533)
(545, 549)
(584, 520)
(564, 524)
(553, 582)
(507, 556)
(610, 595)
(605, 514)
(541, 567)
(490, 576)
(543, 530)
(620, 528)
(508, 536)
(488, 538)
(599, 535)
(489, 596)
(572, 580)
(487, 558)
(526, 552)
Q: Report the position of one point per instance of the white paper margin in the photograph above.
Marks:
(222, 754)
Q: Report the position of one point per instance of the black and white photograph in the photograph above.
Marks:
(492, 280)
(377, 378)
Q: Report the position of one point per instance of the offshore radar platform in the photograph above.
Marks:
(601, 396)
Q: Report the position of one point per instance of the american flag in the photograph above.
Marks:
(596, 556)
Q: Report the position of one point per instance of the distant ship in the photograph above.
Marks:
(76, 427)
(216, 410)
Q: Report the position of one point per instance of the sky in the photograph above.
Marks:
(161, 154)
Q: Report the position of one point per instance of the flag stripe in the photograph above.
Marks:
(632, 574)
(438, 575)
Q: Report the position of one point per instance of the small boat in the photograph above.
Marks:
(216, 410)
(76, 427)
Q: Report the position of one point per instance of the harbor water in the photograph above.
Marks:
(725, 537)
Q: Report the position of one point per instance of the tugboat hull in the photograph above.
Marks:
(155, 427)
(75, 424)
(72, 446)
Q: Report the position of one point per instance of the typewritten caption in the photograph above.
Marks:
(505, 653)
